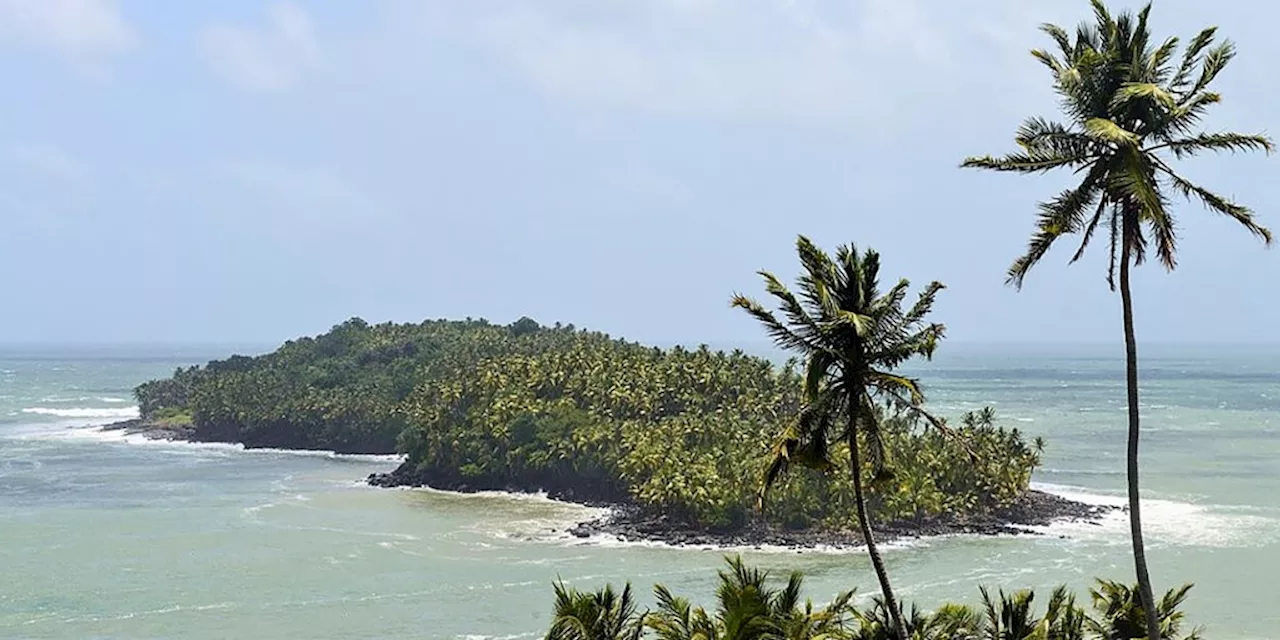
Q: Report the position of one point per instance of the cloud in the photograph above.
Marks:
(84, 30)
(274, 57)
(807, 61)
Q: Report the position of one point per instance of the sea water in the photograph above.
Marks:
(103, 536)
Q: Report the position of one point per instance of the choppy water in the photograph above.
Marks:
(103, 538)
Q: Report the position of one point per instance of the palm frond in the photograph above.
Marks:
(1191, 58)
(1038, 135)
(1140, 91)
(1188, 114)
(1218, 142)
(1089, 229)
(1215, 60)
(1106, 130)
(782, 335)
(1136, 182)
(1061, 216)
(1218, 203)
(1028, 162)
(1059, 36)
(924, 304)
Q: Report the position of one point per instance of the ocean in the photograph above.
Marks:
(107, 537)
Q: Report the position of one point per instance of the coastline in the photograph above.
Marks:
(1036, 509)
(629, 522)
(174, 432)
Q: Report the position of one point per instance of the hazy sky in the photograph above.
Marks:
(244, 171)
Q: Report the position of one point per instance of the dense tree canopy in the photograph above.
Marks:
(484, 406)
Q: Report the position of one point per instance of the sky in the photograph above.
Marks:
(247, 172)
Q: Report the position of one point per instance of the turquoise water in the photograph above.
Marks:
(106, 538)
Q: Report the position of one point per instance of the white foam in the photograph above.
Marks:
(90, 429)
(121, 413)
(608, 541)
(1167, 522)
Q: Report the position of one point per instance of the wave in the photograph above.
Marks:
(1167, 522)
(608, 541)
(236, 447)
(89, 426)
(121, 413)
(66, 399)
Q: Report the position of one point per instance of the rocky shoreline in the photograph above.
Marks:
(153, 430)
(1036, 508)
(630, 522)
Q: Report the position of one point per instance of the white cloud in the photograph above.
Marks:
(797, 60)
(83, 30)
(274, 57)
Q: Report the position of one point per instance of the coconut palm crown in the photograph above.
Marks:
(851, 336)
(1131, 109)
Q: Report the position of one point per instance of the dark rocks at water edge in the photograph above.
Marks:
(631, 522)
(155, 430)
(556, 488)
(1036, 508)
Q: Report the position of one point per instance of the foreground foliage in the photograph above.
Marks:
(749, 606)
(485, 406)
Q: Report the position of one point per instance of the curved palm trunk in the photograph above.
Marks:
(1135, 507)
(855, 469)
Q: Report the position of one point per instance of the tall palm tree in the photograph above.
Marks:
(852, 336)
(1130, 111)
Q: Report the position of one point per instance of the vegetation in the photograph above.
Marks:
(852, 337)
(476, 405)
(1132, 108)
(749, 606)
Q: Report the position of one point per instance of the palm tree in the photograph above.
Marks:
(602, 615)
(1130, 112)
(1121, 615)
(749, 609)
(851, 336)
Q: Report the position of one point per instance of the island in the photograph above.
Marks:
(674, 440)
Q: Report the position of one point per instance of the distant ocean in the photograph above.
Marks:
(103, 537)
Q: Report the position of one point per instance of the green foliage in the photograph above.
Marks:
(487, 407)
(171, 416)
(172, 394)
(751, 606)
(748, 607)
(603, 615)
(1131, 108)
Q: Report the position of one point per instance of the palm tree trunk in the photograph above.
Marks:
(1131, 380)
(855, 469)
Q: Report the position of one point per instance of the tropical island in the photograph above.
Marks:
(676, 440)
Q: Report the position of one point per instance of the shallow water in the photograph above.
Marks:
(106, 538)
